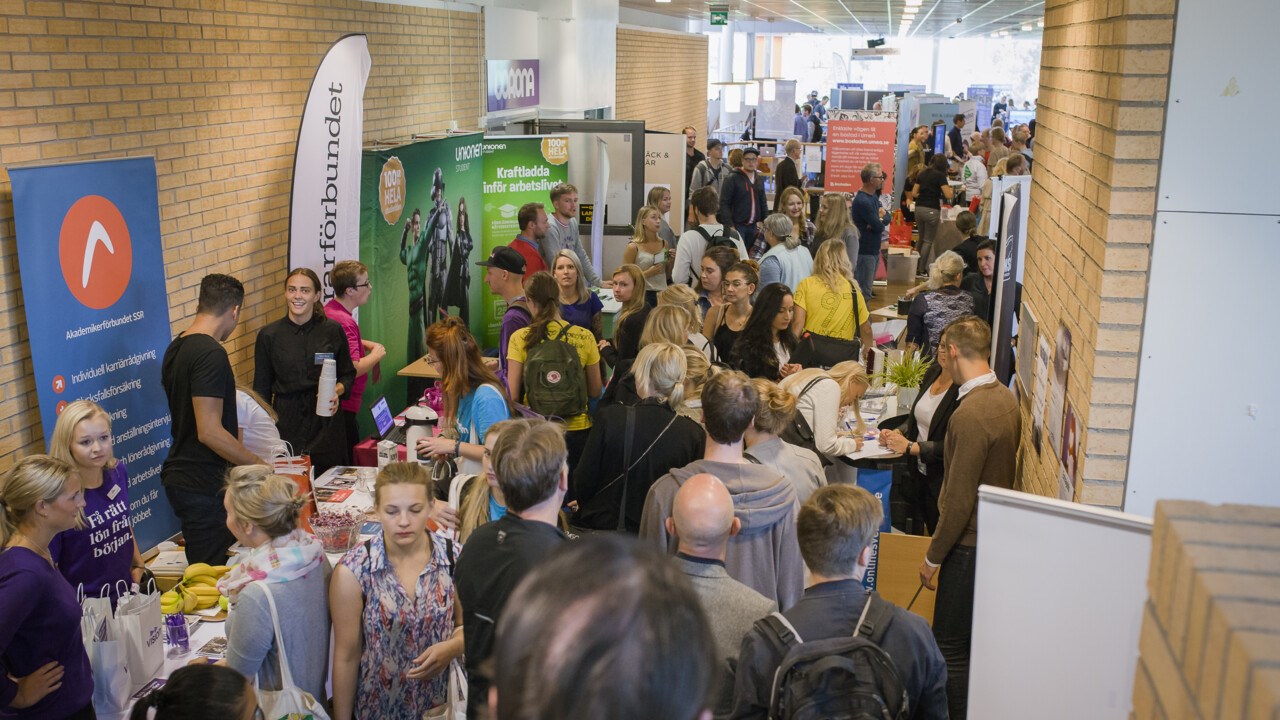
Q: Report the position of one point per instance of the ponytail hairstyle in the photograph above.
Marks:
(318, 306)
(749, 269)
(659, 370)
(196, 692)
(33, 480)
(269, 501)
(462, 368)
(636, 302)
(683, 296)
(542, 290)
(777, 407)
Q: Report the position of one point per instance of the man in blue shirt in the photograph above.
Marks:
(869, 216)
(800, 126)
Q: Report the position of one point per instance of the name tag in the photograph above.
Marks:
(115, 490)
(321, 357)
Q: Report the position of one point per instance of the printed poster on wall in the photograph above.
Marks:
(854, 139)
(93, 284)
(324, 221)
(517, 170)
(664, 161)
(983, 96)
(1058, 385)
(421, 210)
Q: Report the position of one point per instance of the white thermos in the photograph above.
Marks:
(328, 383)
(418, 423)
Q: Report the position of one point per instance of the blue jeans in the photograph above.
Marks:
(865, 273)
(953, 623)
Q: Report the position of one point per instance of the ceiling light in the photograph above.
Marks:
(732, 98)
(753, 94)
(1026, 27)
(769, 89)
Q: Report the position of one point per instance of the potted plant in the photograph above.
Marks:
(906, 373)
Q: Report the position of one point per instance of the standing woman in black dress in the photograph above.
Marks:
(724, 323)
(288, 357)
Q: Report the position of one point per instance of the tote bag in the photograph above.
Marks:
(290, 702)
(111, 686)
(141, 630)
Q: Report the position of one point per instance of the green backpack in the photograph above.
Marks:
(555, 384)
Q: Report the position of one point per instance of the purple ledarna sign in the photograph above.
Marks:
(513, 84)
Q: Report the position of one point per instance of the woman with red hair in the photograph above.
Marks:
(473, 397)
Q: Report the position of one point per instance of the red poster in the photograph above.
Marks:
(854, 143)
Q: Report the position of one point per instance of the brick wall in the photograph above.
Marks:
(1103, 86)
(213, 89)
(1210, 643)
(662, 79)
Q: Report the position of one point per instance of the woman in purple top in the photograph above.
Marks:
(44, 671)
(578, 305)
(100, 553)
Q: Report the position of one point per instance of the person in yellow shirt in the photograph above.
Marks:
(825, 301)
(543, 295)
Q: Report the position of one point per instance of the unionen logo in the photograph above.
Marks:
(95, 252)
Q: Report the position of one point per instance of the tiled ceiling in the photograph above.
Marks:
(932, 18)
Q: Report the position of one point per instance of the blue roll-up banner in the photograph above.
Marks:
(878, 483)
(97, 311)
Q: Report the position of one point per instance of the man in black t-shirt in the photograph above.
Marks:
(201, 390)
(529, 462)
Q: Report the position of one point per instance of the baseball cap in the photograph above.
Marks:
(750, 150)
(713, 143)
(505, 258)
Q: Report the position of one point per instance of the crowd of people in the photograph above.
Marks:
(642, 522)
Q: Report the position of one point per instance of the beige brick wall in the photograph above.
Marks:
(214, 91)
(1103, 85)
(1210, 643)
(662, 79)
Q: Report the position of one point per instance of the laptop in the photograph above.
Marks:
(386, 422)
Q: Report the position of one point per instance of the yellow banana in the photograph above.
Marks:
(219, 570)
(200, 581)
(196, 569)
(206, 602)
(189, 600)
(204, 591)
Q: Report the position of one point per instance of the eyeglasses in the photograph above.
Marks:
(363, 284)
(735, 284)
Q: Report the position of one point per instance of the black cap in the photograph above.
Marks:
(750, 150)
(505, 258)
(713, 143)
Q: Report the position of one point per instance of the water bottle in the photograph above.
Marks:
(419, 423)
(328, 383)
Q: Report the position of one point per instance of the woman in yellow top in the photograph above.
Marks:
(543, 295)
(825, 301)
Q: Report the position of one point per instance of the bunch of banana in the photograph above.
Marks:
(198, 590)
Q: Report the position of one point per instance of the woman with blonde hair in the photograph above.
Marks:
(610, 483)
(285, 567)
(47, 673)
(660, 198)
(765, 446)
(835, 222)
(578, 305)
(822, 398)
(724, 323)
(794, 203)
(396, 622)
(830, 306)
(628, 286)
(665, 324)
(683, 296)
(932, 311)
(700, 370)
(649, 252)
(101, 555)
(474, 399)
(998, 169)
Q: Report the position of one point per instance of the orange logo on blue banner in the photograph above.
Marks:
(95, 252)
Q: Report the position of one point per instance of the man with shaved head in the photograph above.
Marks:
(702, 521)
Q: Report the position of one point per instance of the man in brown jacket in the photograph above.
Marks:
(981, 448)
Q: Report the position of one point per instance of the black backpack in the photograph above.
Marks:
(840, 678)
(555, 384)
(720, 239)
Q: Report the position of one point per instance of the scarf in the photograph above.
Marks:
(281, 559)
